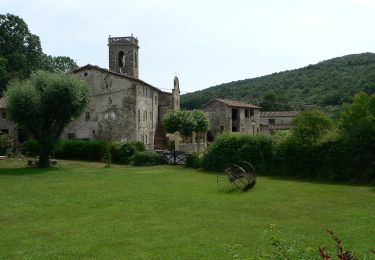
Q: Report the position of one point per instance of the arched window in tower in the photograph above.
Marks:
(121, 59)
(136, 59)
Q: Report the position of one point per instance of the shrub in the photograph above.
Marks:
(231, 148)
(31, 147)
(81, 150)
(193, 160)
(122, 152)
(147, 158)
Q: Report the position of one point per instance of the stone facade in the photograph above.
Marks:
(271, 121)
(7, 127)
(122, 106)
(232, 116)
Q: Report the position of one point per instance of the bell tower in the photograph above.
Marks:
(123, 55)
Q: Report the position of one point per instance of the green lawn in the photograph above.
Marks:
(86, 210)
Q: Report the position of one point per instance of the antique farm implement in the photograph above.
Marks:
(239, 176)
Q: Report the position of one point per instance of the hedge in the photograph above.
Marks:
(231, 148)
(81, 150)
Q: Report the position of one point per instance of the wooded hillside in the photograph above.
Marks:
(326, 84)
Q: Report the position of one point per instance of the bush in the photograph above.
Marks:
(31, 147)
(231, 148)
(81, 150)
(147, 158)
(193, 160)
(122, 152)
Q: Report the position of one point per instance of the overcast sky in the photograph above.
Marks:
(204, 42)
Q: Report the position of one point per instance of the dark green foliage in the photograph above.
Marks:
(81, 150)
(231, 148)
(20, 50)
(31, 147)
(45, 104)
(310, 126)
(147, 158)
(186, 122)
(328, 83)
(61, 64)
(317, 150)
(122, 152)
(21, 53)
(193, 160)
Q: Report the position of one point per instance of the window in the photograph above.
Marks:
(246, 113)
(271, 121)
(144, 91)
(146, 116)
(251, 112)
(136, 59)
(156, 100)
(4, 131)
(71, 135)
(85, 74)
(221, 129)
(142, 138)
(87, 116)
(139, 115)
(121, 59)
(234, 114)
(4, 115)
(146, 140)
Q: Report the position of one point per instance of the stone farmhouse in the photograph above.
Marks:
(123, 107)
(271, 121)
(232, 116)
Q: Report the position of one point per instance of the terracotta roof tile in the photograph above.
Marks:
(232, 103)
(279, 113)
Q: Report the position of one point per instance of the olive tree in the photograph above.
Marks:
(186, 122)
(44, 105)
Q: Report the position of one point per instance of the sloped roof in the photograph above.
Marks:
(232, 103)
(279, 113)
(89, 66)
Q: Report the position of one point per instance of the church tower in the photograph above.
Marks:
(123, 55)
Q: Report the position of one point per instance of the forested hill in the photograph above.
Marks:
(325, 84)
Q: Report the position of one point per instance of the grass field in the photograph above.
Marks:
(83, 209)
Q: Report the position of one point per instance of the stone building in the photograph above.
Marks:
(232, 116)
(271, 121)
(122, 106)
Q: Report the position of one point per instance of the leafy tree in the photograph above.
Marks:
(357, 121)
(310, 126)
(202, 123)
(20, 50)
(44, 105)
(61, 64)
(186, 122)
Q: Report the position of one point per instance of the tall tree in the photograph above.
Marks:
(44, 105)
(61, 64)
(20, 50)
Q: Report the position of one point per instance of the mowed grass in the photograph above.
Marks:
(82, 209)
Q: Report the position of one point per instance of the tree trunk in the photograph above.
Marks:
(44, 161)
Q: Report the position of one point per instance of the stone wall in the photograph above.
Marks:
(220, 116)
(111, 112)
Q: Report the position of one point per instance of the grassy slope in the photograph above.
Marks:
(86, 210)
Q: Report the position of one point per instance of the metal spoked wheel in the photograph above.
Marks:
(224, 184)
(239, 176)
